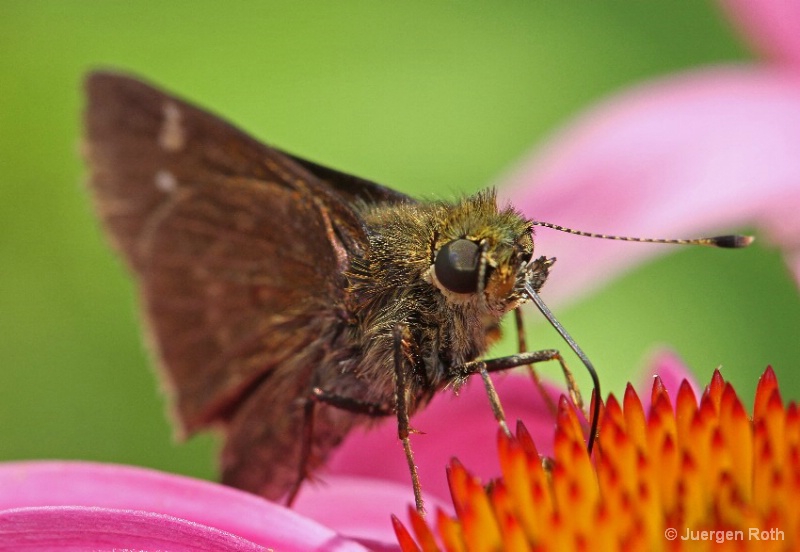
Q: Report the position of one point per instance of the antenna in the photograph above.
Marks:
(731, 241)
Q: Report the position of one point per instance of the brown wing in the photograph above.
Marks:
(236, 246)
(353, 188)
(243, 326)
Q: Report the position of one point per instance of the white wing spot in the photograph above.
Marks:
(172, 136)
(166, 181)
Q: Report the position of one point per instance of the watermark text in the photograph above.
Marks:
(720, 536)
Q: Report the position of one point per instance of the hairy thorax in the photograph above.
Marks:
(395, 284)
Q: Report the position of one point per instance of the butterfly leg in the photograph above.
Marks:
(349, 404)
(513, 361)
(356, 406)
(522, 346)
(499, 364)
(484, 367)
(305, 451)
(402, 343)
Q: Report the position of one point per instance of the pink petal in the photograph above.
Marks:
(369, 503)
(703, 152)
(67, 528)
(668, 366)
(451, 426)
(772, 25)
(114, 487)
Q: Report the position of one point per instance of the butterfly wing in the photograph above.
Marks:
(239, 252)
(353, 188)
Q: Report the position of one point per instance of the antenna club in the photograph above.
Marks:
(733, 241)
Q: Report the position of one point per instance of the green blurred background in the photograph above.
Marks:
(428, 97)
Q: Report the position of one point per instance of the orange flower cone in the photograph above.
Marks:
(686, 475)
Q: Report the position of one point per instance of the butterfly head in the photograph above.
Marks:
(482, 254)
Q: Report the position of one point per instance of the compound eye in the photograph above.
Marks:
(457, 265)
